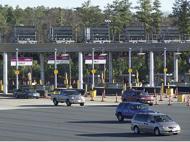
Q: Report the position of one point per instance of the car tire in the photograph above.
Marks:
(156, 132)
(120, 117)
(68, 103)
(55, 102)
(81, 104)
(136, 130)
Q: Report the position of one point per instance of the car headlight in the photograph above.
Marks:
(165, 128)
(178, 127)
(72, 98)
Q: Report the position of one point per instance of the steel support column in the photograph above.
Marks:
(151, 69)
(5, 73)
(17, 82)
(80, 64)
(176, 78)
(92, 68)
(129, 70)
(110, 68)
(42, 76)
(165, 68)
(55, 68)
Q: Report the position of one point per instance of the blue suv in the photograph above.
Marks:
(129, 109)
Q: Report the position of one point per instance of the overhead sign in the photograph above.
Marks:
(22, 61)
(63, 59)
(98, 59)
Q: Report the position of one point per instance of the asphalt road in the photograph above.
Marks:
(88, 123)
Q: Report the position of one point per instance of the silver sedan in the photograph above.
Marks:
(157, 123)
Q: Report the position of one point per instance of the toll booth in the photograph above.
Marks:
(97, 34)
(25, 34)
(61, 34)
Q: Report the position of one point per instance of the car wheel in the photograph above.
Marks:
(81, 104)
(120, 117)
(68, 103)
(136, 130)
(156, 132)
(55, 102)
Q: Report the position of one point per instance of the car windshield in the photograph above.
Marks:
(72, 93)
(142, 93)
(162, 118)
(139, 107)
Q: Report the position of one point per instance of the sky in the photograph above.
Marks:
(166, 4)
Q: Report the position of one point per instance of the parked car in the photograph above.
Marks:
(26, 93)
(68, 96)
(133, 95)
(157, 123)
(42, 89)
(126, 110)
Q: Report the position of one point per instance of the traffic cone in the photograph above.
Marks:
(154, 92)
(169, 100)
(176, 92)
(103, 96)
(156, 100)
(116, 98)
(187, 104)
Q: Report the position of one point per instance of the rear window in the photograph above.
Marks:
(141, 117)
(139, 107)
(72, 92)
(142, 93)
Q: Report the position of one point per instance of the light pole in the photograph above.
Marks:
(108, 23)
(130, 69)
(55, 68)
(92, 68)
(165, 68)
(17, 68)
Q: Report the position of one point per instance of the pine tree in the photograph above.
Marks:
(144, 15)
(181, 10)
(156, 15)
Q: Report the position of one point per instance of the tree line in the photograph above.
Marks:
(119, 12)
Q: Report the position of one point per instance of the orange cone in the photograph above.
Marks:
(103, 96)
(156, 100)
(169, 101)
(187, 104)
(116, 98)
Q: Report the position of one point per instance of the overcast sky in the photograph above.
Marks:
(166, 4)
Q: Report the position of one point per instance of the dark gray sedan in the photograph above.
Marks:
(26, 93)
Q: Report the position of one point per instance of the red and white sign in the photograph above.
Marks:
(63, 59)
(22, 61)
(98, 59)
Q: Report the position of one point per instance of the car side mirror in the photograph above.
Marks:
(152, 121)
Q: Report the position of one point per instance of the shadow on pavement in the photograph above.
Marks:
(106, 105)
(42, 106)
(116, 135)
(101, 122)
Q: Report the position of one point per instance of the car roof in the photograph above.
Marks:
(153, 113)
(135, 90)
(133, 103)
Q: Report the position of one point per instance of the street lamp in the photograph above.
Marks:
(55, 68)
(141, 53)
(92, 68)
(17, 72)
(165, 68)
